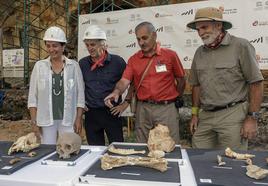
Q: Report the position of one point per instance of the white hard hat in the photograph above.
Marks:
(94, 32)
(55, 34)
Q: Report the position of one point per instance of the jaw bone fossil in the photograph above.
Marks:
(124, 151)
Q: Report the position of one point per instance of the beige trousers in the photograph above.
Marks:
(148, 115)
(221, 129)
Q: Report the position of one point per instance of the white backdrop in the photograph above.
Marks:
(249, 18)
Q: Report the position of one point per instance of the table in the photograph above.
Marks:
(186, 175)
(36, 174)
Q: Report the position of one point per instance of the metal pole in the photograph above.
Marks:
(26, 7)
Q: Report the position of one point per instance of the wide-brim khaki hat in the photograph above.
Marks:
(209, 14)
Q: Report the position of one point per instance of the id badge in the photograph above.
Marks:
(161, 68)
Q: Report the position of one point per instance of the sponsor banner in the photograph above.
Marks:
(250, 21)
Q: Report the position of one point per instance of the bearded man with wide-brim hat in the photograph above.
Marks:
(226, 85)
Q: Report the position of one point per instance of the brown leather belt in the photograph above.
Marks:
(224, 107)
(165, 102)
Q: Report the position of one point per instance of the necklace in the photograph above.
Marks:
(54, 83)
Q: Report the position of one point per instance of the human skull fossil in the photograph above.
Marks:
(68, 143)
(24, 144)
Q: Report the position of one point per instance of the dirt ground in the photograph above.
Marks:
(11, 130)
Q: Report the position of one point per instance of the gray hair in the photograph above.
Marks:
(149, 26)
(103, 43)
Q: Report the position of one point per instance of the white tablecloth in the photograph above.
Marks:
(36, 174)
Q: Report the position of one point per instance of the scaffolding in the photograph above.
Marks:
(25, 22)
(30, 18)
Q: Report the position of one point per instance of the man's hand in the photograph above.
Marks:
(119, 109)
(110, 98)
(249, 128)
(193, 124)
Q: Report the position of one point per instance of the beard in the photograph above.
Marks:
(211, 37)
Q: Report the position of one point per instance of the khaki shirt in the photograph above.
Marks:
(224, 74)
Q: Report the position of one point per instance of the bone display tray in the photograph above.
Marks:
(175, 154)
(207, 171)
(6, 168)
(134, 174)
(55, 160)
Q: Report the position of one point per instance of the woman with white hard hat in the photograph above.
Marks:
(56, 95)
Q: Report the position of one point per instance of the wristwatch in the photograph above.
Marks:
(254, 115)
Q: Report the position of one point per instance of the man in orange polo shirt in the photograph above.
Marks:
(162, 85)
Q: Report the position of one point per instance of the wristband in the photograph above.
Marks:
(195, 110)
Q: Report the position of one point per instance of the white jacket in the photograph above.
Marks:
(40, 92)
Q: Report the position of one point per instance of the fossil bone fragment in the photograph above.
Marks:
(32, 154)
(124, 151)
(231, 154)
(156, 154)
(109, 162)
(159, 139)
(68, 143)
(14, 160)
(24, 144)
(249, 161)
(220, 162)
(256, 172)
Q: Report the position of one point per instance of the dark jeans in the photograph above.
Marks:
(98, 120)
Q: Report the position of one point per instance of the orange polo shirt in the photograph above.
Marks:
(159, 82)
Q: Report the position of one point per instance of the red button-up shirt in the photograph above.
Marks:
(156, 86)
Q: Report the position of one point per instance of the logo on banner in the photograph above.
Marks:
(228, 11)
(90, 21)
(168, 29)
(258, 40)
(86, 22)
(189, 30)
(131, 31)
(113, 46)
(135, 17)
(187, 59)
(166, 45)
(132, 45)
(111, 33)
(160, 29)
(158, 15)
(260, 23)
(191, 43)
(261, 5)
(262, 60)
(188, 12)
(111, 21)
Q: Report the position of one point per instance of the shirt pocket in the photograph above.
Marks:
(70, 84)
(228, 76)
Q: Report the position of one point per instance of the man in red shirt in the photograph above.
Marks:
(162, 85)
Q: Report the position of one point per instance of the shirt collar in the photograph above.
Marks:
(66, 60)
(225, 41)
(106, 61)
(157, 51)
